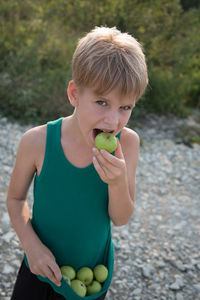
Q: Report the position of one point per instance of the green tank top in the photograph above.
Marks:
(70, 213)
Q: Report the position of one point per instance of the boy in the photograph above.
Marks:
(78, 189)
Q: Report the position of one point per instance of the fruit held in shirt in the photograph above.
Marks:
(79, 287)
(68, 272)
(82, 281)
(100, 273)
(106, 141)
(93, 288)
(85, 275)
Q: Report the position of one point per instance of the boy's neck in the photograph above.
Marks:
(74, 144)
(70, 128)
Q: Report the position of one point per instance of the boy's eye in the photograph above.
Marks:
(101, 102)
(126, 107)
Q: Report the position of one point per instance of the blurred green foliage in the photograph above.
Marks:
(37, 40)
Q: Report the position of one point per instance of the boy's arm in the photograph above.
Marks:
(119, 172)
(122, 191)
(41, 260)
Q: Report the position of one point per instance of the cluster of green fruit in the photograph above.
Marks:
(83, 282)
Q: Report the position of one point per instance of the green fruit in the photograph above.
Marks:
(94, 288)
(106, 141)
(68, 272)
(100, 273)
(79, 287)
(85, 274)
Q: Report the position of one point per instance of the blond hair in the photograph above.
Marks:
(106, 59)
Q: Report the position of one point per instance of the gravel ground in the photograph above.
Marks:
(157, 255)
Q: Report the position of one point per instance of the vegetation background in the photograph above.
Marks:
(38, 37)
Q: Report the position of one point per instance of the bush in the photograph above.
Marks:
(37, 40)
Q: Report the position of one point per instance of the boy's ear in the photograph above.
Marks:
(72, 92)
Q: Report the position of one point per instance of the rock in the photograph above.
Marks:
(155, 256)
(147, 271)
(5, 218)
(137, 292)
(8, 269)
(197, 287)
(177, 285)
(181, 267)
(179, 296)
(8, 236)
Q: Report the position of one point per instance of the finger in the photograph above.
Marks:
(107, 165)
(111, 158)
(103, 154)
(49, 273)
(56, 270)
(98, 168)
(100, 157)
(105, 170)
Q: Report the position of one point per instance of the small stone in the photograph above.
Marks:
(190, 267)
(8, 269)
(116, 245)
(16, 262)
(162, 275)
(6, 169)
(8, 236)
(174, 286)
(177, 285)
(181, 267)
(179, 296)
(112, 290)
(147, 271)
(197, 287)
(137, 291)
(5, 219)
(160, 264)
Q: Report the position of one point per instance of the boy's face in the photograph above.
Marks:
(96, 113)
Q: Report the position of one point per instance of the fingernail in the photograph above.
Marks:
(94, 149)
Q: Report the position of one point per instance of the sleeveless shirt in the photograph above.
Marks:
(70, 213)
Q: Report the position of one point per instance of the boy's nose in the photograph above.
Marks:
(112, 119)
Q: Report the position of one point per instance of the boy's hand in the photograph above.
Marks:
(42, 262)
(111, 169)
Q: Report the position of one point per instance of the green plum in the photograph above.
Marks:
(68, 272)
(79, 287)
(100, 273)
(85, 274)
(94, 288)
(106, 141)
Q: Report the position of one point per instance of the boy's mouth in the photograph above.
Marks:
(96, 131)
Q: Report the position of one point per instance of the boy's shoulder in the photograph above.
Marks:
(35, 134)
(130, 143)
(34, 140)
(129, 137)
